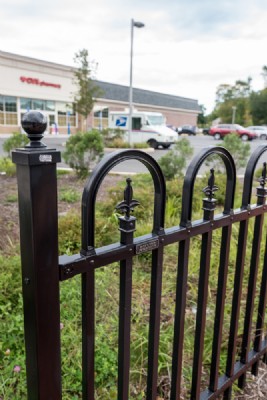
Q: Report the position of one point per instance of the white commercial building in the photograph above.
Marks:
(30, 84)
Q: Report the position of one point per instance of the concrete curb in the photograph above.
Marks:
(111, 149)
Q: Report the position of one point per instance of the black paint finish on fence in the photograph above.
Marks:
(42, 273)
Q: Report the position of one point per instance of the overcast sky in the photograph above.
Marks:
(187, 48)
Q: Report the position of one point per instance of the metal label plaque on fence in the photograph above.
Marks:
(148, 246)
(45, 158)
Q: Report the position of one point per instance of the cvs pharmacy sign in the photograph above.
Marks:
(36, 81)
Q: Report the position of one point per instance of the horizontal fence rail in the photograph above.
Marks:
(42, 274)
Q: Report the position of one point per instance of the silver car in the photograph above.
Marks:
(261, 131)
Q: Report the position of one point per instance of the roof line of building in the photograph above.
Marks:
(118, 85)
(115, 91)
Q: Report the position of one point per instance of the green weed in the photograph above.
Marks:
(69, 195)
(7, 167)
(12, 384)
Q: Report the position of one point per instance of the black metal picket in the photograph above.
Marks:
(42, 271)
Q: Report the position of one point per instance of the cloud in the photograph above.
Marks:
(186, 48)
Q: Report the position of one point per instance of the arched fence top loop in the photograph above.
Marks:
(249, 173)
(93, 183)
(191, 174)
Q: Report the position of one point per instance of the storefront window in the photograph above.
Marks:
(62, 120)
(25, 104)
(61, 107)
(11, 119)
(1, 110)
(1, 103)
(10, 104)
(8, 110)
(103, 113)
(38, 104)
(72, 120)
(50, 105)
(101, 119)
(51, 119)
(66, 115)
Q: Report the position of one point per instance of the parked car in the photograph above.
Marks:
(188, 129)
(221, 130)
(206, 131)
(172, 127)
(261, 131)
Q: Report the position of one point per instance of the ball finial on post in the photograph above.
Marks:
(34, 124)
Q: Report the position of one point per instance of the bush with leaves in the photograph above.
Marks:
(114, 138)
(239, 150)
(109, 135)
(174, 162)
(15, 141)
(7, 167)
(82, 149)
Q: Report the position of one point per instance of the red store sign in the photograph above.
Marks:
(36, 81)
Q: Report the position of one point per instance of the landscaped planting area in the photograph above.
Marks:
(12, 356)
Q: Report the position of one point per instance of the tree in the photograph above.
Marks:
(84, 98)
(264, 75)
(201, 118)
(229, 96)
(239, 90)
(258, 107)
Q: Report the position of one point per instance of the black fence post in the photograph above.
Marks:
(37, 196)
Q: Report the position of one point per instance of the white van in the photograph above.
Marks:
(147, 127)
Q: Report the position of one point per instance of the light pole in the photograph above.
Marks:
(233, 115)
(137, 25)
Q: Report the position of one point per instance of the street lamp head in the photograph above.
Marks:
(138, 24)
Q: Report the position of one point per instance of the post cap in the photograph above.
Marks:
(34, 124)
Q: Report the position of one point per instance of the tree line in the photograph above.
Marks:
(234, 103)
(248, 107)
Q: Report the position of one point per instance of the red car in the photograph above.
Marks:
(219, 131)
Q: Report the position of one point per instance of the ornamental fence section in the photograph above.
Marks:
(43, 271)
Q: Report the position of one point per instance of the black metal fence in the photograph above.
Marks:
(42, 272)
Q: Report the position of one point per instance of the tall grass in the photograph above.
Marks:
(12, 384)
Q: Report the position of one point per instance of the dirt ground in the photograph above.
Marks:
(9, 219)
(9, 223)
(9, 236)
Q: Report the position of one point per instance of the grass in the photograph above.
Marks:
(12, 384)
(69, 195)
(11, 198)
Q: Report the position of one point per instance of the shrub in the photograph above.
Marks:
(82, 149)
(239, 150)
(118, 143)
(111, 135)
(174, 162)
(7, 167)
(15, 141)
(114, 138)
